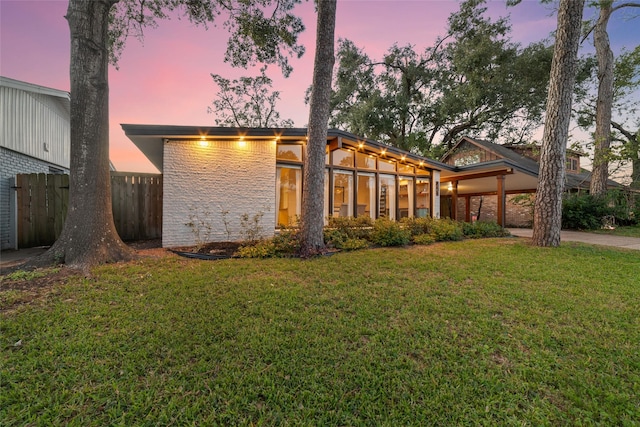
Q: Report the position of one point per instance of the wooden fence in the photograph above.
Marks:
(42, 203)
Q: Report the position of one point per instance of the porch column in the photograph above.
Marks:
(467, 208)
(502, 201)
(454, 200)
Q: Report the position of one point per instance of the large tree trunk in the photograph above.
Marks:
(89, 236)
(602, 143)
(635, 162)
(547, 218)
(312, 240)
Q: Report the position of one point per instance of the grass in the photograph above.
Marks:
(480, 332)
(628, 231)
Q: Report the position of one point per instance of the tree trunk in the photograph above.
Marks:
(635, 162)
(312, 240)
(547, 219)
(89, 236)
(602, 142)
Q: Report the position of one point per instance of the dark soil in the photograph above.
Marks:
(220, 249)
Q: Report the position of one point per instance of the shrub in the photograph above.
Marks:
(418, 226)
(424, 239)
(356, 228)
(287, 242)
(479, 230)
(583, 211)
(260, 249)
(446, 230)
(389, 233)
(354, 244)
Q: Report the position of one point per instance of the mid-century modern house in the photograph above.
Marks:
(34, 138)
(215, 175)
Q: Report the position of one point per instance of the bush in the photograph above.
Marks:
(284, 244)
(389, 233)
(260, 249)
(418, 226)
(354, 244)
(424, 239)
(355, 228)
(287, 242)
(446, 230)
(479, 230)
(584, 211)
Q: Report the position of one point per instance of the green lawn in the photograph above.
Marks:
(481, 332)
(629, 231)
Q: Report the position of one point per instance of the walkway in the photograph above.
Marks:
(591, 238)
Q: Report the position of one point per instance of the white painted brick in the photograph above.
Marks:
(205, 181)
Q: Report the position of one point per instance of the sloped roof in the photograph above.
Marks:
(526, 164)
(63, 97)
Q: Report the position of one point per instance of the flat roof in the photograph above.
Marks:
(149, 139)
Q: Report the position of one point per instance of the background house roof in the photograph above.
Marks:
(520, 163)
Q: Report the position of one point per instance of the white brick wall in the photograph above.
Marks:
(200, 183)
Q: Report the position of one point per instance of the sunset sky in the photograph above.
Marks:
(166, 79)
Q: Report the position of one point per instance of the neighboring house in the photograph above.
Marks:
(478, 199)
(34, 138)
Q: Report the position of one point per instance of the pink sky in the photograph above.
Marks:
(166, 80)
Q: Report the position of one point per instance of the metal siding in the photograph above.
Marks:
(31, 119)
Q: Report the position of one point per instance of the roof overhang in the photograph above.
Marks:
(481, 178)
(150, 140)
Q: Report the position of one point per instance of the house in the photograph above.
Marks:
(34, 138)
(220, 181)
(213, 177)
(511, 200)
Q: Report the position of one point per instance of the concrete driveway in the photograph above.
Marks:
(583, 237)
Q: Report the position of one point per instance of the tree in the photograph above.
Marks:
(602, 136)
(247, 102)
(311, 230)
(547, 217)
(473, 80)
(625, 126)
(490, 85)
(89, 236)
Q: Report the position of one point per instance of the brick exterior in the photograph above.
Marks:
(518, 212)
(202, 182)
(11, 164)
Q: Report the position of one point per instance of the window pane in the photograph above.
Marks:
(343, 158)
(406, 169)
(423, 198)
(365, 161)
(288, 196)
(289, 152)
(387, 196)
(386, 165)
(405, 198)
(366, 194)
(342, 194)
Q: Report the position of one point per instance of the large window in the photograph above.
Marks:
(366, 194)
(423, 197)
(365, 161)
(342, 157)
(288, 195)
(405, 197)
(387, 196)
(290, 152)
(342, 193)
